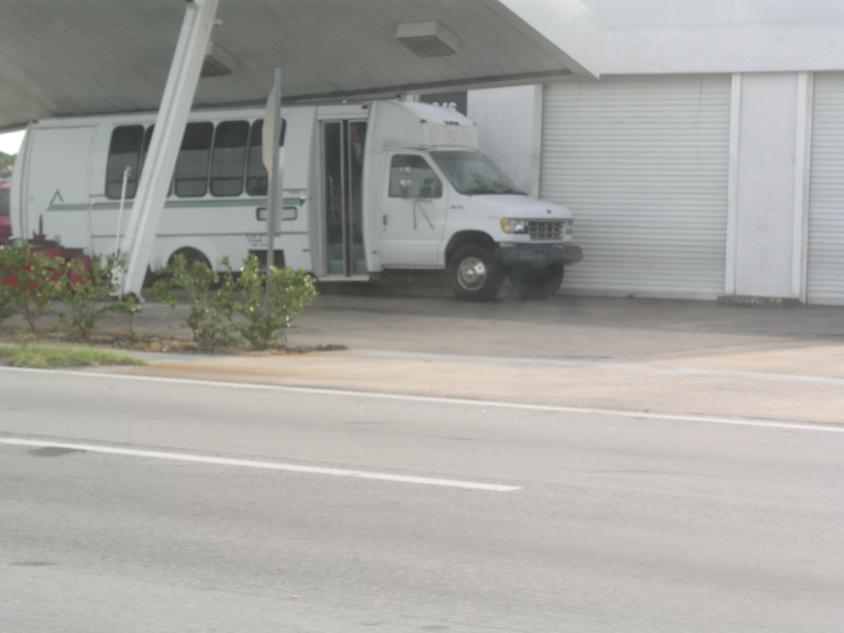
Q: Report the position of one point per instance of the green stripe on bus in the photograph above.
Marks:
(176, 204)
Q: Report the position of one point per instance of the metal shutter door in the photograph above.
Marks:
(643, 164)
(825, 271)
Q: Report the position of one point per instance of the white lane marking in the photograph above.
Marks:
(491, 404)
(249, 463)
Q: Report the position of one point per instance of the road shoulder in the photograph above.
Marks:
(753, 385)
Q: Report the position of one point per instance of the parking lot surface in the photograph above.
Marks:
(636, 355)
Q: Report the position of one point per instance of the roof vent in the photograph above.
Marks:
(428, 39)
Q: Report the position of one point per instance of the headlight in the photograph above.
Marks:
(568, 229)
(514, 225)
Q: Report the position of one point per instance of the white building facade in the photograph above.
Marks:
(708, 159)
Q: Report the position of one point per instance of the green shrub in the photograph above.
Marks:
(130, 307)
(211, 306)
(86, 295)
(35, 280)
(7, 307)
(265, 317)
(216, 317)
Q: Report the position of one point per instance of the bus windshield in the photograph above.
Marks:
(472, 173)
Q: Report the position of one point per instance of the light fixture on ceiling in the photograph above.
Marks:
(428, 39)
(218, 62)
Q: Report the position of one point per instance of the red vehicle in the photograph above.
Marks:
(38, 244)
(62, 255)
(5, 221)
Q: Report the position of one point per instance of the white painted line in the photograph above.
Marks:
(249, 463)
(490, 404)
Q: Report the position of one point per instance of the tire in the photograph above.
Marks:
(533, 283)
(191, 255)
(475, 273)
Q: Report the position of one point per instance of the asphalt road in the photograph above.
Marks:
(138, 505)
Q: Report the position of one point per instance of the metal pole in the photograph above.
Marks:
(117, 270)
(274, 184)
(170, 123)
(126, 172)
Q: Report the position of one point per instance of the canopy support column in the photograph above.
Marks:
(166, 140)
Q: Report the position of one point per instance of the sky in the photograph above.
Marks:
(10, 142)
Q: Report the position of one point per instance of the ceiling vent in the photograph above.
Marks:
(428, 39)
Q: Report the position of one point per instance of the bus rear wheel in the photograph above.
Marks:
(191, 255)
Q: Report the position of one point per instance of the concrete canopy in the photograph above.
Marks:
(95, 56)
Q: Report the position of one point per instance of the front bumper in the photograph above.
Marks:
(515, 254)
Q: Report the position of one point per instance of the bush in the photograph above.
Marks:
(216, 317)
(31, 281)
(86, 295)
(130, 307)
(212, 307)
(267, 316)
(7, 307)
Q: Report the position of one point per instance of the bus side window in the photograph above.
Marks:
(123, 151)
(256, 173)
(191, 175)
(227, 160)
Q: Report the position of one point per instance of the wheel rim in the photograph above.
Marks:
(471, 274)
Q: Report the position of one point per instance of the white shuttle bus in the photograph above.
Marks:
(367, 188)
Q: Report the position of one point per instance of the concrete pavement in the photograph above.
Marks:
(638, 355)
(675, 387)
(564, 327)
(664, 356)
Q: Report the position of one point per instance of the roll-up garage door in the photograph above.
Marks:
(825, 270)
(643, 164)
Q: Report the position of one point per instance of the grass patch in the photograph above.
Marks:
(47, 356)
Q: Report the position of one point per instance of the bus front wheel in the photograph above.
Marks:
(475, 273)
